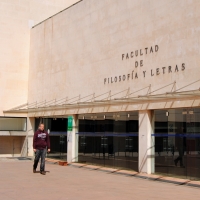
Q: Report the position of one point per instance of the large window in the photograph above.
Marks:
(109, 139)
(13, 123)
(55, 125)
(177, 142)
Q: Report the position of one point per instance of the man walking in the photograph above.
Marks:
(41, 145)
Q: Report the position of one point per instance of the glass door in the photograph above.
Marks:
(132, 140)
(177, 142)
(192, 143)
(109, 139)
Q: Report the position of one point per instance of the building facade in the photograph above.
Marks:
(128, 73)
(17, 19)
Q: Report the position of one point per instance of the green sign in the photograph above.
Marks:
(70, 123)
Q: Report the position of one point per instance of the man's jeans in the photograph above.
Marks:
(40, 153)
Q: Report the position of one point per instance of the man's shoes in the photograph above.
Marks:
(34, 170)
(43, 172)
(175, 162)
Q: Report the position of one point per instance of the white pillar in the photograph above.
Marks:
(30, 134)
(146, 142)
(72, 142)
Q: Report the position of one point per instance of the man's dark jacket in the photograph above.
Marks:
(41, 140)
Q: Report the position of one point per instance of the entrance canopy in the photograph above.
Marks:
(92, 101)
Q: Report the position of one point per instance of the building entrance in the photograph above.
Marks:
(58, 136)
(109, 139)
(177, 142)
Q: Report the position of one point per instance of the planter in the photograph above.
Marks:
(63, 163)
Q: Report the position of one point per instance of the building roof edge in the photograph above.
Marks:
(57, 13)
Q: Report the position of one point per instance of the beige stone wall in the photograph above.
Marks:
(16, 19)
(11, 145)
(76, 51)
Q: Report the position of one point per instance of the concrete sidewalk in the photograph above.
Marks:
(73, 183)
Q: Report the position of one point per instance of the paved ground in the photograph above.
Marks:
(71, 183)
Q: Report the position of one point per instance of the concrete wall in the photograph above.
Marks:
(16, 19)
(75, 52)
(11, 145)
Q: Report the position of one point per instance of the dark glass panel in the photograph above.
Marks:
(112, 139)
(177, 152)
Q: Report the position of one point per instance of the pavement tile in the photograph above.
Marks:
(194, 183)
(54, 161)
(77, 164)
(18, 182)
(126, 172)
(174, 180)
(106, 169)
(93, 167)
(148, 176)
